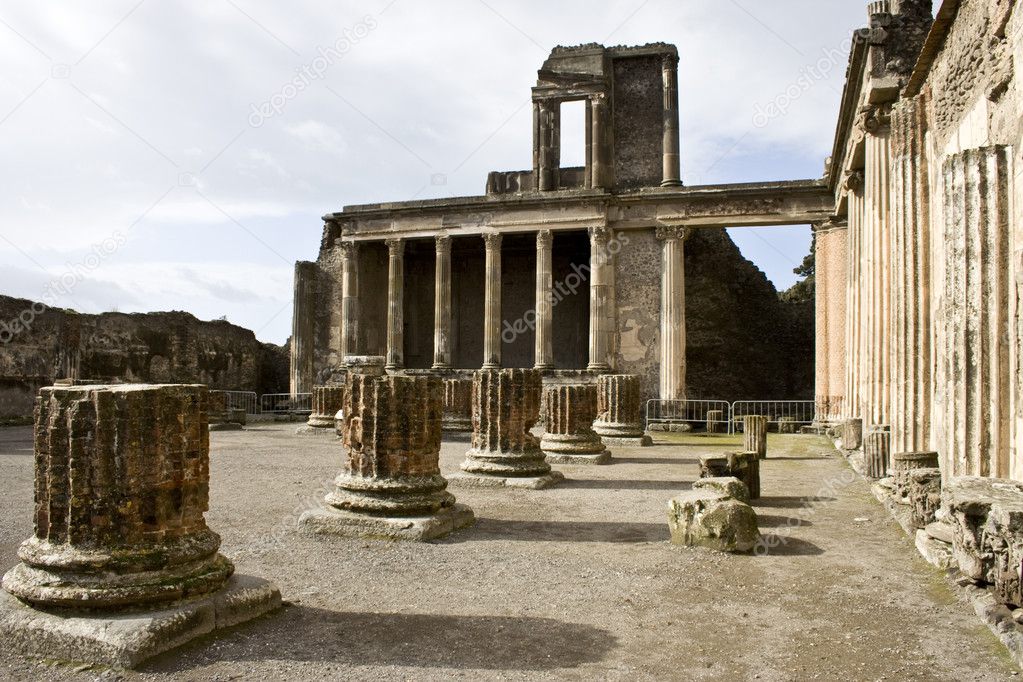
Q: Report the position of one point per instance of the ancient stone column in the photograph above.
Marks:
(830, 284)
(492, 302)
(673, 312)
(852, 405)
(121, 489)
(302, 328)
(390, 485)
(395, 304)
(569, 438)
(672, 173)
(505, 406)
(547, 145)
(754, 430)
(912, 329)
(442, 304)
(876, 452)
(716, 421)
(598, 124)
(457, 405)
(601, 298)
(349, 298)
(327, 400)
(974, 382)
(544, 306)
(852, 434)
(619, 411)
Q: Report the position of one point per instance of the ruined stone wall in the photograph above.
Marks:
(172, 347)
(638, 294)
(638, 122)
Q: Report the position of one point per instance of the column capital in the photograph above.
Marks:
(833, 223)
(669, 61)
(673, 232)
(875, 119)
(349, 249)
(599, 234)
(443, 242)
(853, 181)
(492, 240)
(544, 239)
(395, 246)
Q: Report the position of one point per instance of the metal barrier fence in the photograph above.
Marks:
(689, 411)
(286, 403)
(242, 400)
(795, 412)
(778, 412)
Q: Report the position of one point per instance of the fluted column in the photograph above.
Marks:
(601, 314)
(547, 146)
(544, 355)
(852, 408)
(912, 331)
(672, 173)
(830, 284)
(876, 198)
(303, 328)
(492, 303)
(598, 123)
(673, 312)
(349, 299)
(442, 304)
(395, 304)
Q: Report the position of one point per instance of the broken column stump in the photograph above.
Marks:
(457, 414)
(390, 486)
(619, 411)
(744, 466)
(568, 436)
(505, 406)
(327, 401)
(876, 448)
(754, 429)
(712, 519)
(787, 425)
(921, 492)
(852, 434)
(987, 532)
(727, 485)
(121, 489)
(221, 416)
(716, 422)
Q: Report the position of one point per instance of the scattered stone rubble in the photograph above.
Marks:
(706, 517)
(744, 466)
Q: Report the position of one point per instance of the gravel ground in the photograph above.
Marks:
(577, 582)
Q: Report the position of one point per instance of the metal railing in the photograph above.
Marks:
(242, 400)
(286, 403)
(778, 412)
(685, 411)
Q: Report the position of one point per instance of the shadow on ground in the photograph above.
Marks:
(615, 484)
(301, 633)
(563, 531)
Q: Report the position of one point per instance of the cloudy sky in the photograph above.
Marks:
(177, 155)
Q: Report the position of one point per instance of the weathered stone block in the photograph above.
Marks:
(569, 437)
(852, 434)
(716, 421)
(619, 410)
(744, 466)
(923, 494)
(876, 448)
(703, 518)
(987, 520)
(390, 485)
(754, 429)
(726, 485)
(457, 405)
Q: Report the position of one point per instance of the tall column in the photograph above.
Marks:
(911, 280)
(973, 385)
(547, 146)
(673, 312)
(395, 304)
(349, 299)
(672, 174)
(830, 285)
(544, 355)
(442, 304)
(878, 211)
(601, 315)
(597, 138)
(492, 302)
(302, 328)
(852, 408)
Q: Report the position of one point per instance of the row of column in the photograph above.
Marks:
(602, 320)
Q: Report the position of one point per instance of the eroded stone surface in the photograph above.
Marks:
(754, 429)
(876, 447)
(327, 400)
(569, 411)
(705, 518)
(457, 405)
(619, 406)
(726, 485)
(744, 466)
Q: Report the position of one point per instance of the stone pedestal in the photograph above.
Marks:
(716, 421)
(852, 434)
(327, 400)
(876, 447)
(744, 466)
(506, 405)
(754, 429)
(121, 488)
(568, 436)
(390, 485)
(221, 416)
(619, 420)
(457, 414)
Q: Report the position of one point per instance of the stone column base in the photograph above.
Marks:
(322, 421)
(643, 441)
(127, 639)
(346, 524)
(579, 458)
(466, 480)
(306, 430)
